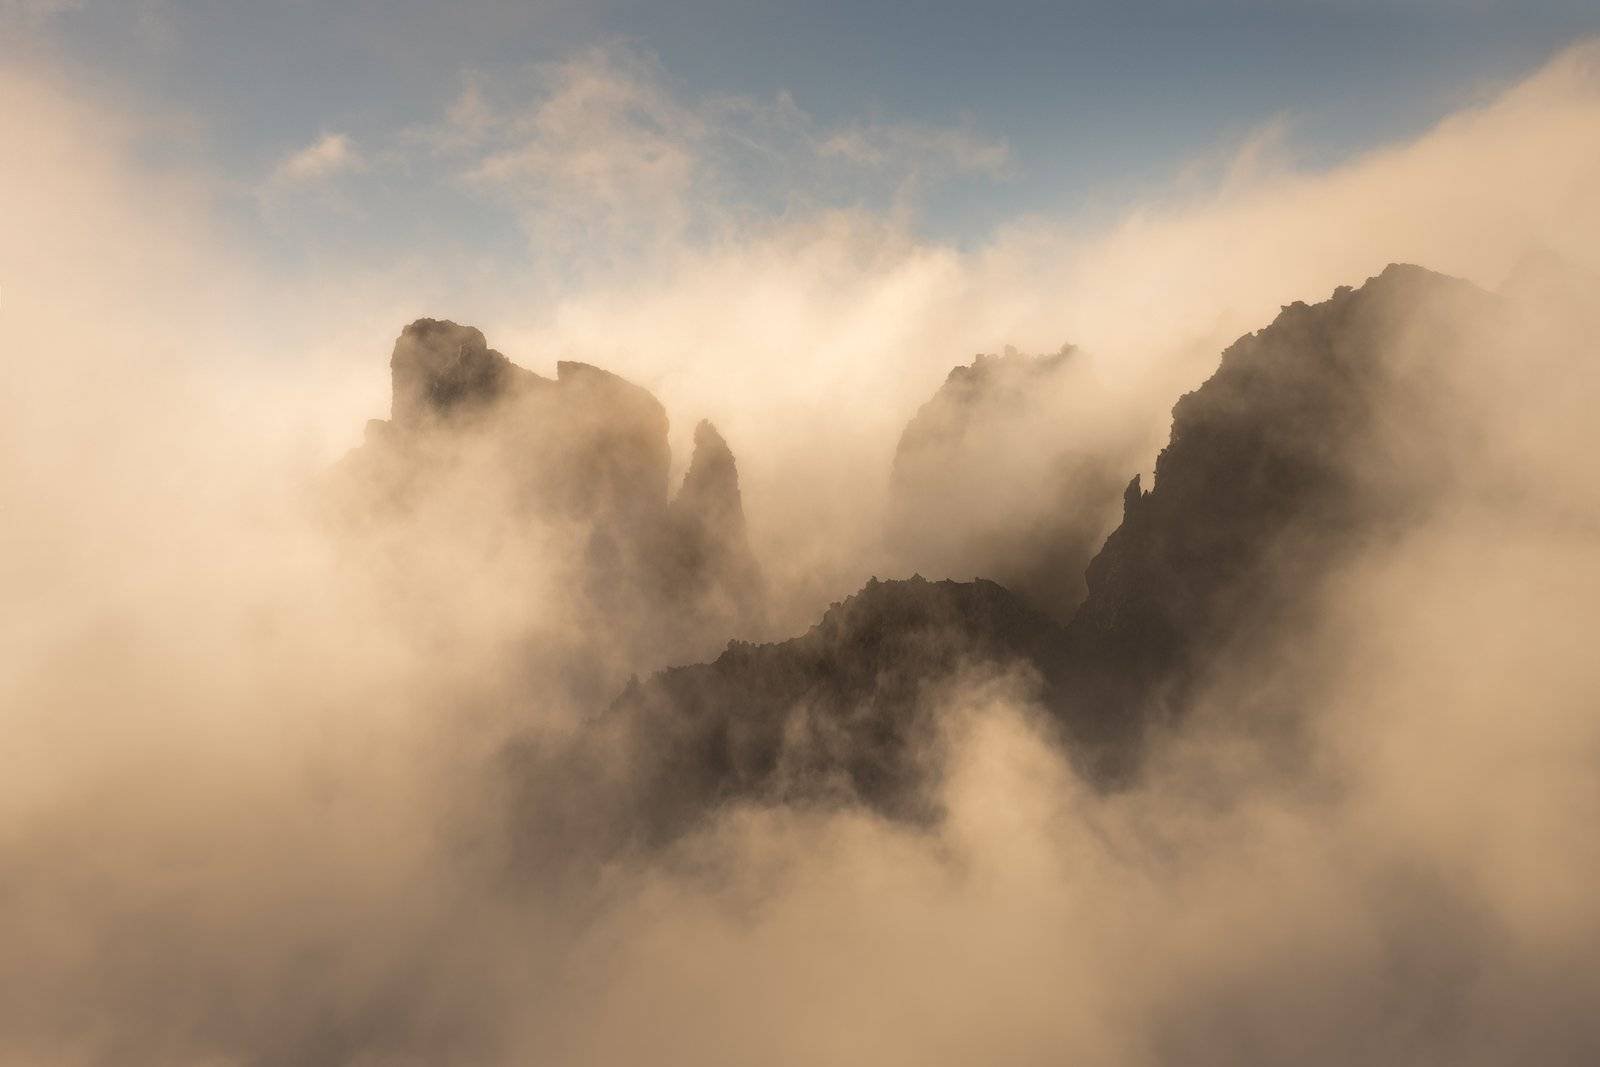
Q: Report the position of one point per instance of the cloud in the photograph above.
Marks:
(934, 148)
(602, 151)
(606, 152)
(245, 812)
(328, 155)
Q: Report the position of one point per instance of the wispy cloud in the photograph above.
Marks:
(330, 154)
(603, 146)
(607, 149)
(931, 149)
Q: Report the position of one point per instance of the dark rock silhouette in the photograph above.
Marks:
(845, 713)
(710, 545)
(489, 453)
(1277, 467)
(989, 479)
(586, 445)
(1288, 459)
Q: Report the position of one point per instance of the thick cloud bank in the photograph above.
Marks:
(281, 786)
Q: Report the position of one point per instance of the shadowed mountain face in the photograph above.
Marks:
(557, 490)
(845, 713)
(990, 479)
(1278, 467)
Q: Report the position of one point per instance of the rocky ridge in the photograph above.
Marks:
(1266, 484)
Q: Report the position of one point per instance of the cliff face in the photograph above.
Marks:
(1278, 467)
(1310, 440)
(991, 479)
(483, 459)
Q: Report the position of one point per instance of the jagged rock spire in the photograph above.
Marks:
(709, 534)
(710, 489)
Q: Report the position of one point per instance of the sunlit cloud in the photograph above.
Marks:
(327, 156)
(249, 808)
(603, 152)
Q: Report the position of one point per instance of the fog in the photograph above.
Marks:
(249, 805)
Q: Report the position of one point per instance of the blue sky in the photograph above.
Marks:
(1089, 103)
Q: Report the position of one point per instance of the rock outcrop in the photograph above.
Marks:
(484, 460)
(441, 370)
(711, 556)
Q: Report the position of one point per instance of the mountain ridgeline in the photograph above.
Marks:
(1278, 467)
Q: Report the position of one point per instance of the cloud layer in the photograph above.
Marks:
(245, 816)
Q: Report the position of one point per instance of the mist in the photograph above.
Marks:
(254, 808)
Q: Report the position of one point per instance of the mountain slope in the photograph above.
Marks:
(1283, 463)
